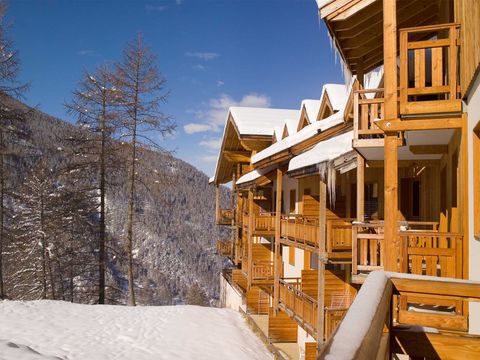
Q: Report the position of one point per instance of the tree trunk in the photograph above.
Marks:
(101, 245)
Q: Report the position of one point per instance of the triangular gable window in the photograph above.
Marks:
(303, 120)
(326, 108)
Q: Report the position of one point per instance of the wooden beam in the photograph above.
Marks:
(234, 217)
(405, 163)
(464, 193)
(321, 264)
(423, 124)
(237, 156)
(277, 254)
(435, 346)
(428, 149)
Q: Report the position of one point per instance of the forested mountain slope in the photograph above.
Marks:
(175, 230)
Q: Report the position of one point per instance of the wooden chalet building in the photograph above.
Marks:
(355, 221)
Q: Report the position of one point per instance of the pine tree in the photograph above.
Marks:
(143, 91)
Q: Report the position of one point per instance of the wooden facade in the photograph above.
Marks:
(309, 239)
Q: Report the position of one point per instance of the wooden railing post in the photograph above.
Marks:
(321, 263)
(250, 238)
(277, 254)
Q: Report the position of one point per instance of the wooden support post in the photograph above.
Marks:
(277, 254)
(360, 188)
(234, 213)
(250, 238)
(390, 147)
(464, 192)
(321, 265)
(392, 246)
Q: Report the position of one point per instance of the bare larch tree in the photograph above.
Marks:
(95, 104)
(143, 92)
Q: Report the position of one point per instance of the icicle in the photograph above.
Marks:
(328, 174)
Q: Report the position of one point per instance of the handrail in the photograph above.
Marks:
(361, 333)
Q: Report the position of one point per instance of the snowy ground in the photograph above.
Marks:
(60, 330)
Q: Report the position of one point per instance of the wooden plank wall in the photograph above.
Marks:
(310, 351)
(281, 328)
(257, 301)
(467, 13)
(335, 284)
(262, 252)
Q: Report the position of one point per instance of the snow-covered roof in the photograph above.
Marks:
(312, 107)
(322, 3)
(291, 125)
(337, 94)
(254, 175)
(259, 121)
(324, 151)
(304, 134)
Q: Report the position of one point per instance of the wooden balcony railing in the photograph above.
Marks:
(303, 308)
(429, 70)
(422, 252)
(376, 326)
(299, 305)
(305, 231)
(262, 272)
(225, 216)
(263, 223)
(367, 111)
(224, 247)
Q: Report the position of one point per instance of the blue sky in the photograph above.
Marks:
(213, 53)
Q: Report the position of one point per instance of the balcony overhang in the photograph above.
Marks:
(356, 27)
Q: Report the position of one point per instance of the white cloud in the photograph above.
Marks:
(179, 2)
(205, 56)
(216, 112)
(150, 7)
(209, 158)
(212, 143)
(194, 128)
(220, 83)
(198, 67)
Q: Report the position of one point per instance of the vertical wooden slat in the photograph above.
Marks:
(373, 249)
(354, 250)
(452, 63)
(250, 238)
(437, 66)
(403, 67)
(277, 254)
(364, 117)
(355, 115)
(321, 263)
(419, 68)
(373, 115)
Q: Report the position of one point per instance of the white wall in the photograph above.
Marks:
(230, 298)
(302, 338)
(289, 270)
(473, 104)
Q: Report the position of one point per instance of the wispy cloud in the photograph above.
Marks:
(159, 8)
(209, 158)
(85, 52)
(220, 83)
(179, 2)
(211, 143)
(212, 118)
(205, 56)
(198, 67)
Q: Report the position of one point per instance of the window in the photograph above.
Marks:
(293, 199)
(291, 255)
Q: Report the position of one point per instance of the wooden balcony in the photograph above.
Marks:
(429, 70)
(224, 217)
(298, 298)
(224, 247)
(298, 304)
(391, 323)
(304, 232)
(262, 273)
(422, 252)
(368, 109)
(263, 224)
